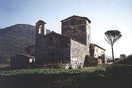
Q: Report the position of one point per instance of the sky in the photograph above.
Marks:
(104, 14)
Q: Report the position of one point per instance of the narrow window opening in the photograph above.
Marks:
(40, 29)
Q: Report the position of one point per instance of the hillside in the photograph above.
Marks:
(15, 38)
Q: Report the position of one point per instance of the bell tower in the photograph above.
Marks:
(40, 32)
(77, 28)
(40, 27)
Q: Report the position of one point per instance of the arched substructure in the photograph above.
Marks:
(86, 61)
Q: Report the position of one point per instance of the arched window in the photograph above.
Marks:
(40, 29)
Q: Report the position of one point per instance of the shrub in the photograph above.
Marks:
(127, 60)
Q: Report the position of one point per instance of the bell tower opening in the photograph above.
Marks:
(40, 27)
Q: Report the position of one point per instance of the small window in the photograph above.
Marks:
(30, 60)
(96, 50)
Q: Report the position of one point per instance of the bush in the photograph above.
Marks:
(127, 60)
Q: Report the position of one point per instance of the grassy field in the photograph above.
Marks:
(51, 71)
(117, 75)
(104, 76)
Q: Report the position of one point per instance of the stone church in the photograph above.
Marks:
(72, 48)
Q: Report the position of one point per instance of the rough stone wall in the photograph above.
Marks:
(30, 50)
(78, 52)
(92, 49)
(54, 48)
(88, 33)
(78, 29)
(19, 61)
(40, 32)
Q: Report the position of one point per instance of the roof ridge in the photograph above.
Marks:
(76, 16)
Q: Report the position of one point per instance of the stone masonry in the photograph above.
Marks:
(69, 48)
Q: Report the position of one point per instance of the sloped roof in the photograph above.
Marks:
(23, 55)
(55, 34)
(61, 36)
(98, 46)
(76, 17)
(30, 56)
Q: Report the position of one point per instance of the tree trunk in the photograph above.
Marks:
(113, 54)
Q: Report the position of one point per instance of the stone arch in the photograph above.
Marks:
(86, 61)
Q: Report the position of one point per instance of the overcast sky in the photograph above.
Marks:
(104, 14)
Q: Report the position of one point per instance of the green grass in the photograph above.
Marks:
(47, 78)
(117, 75)
(51, 71)
(103, 76)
